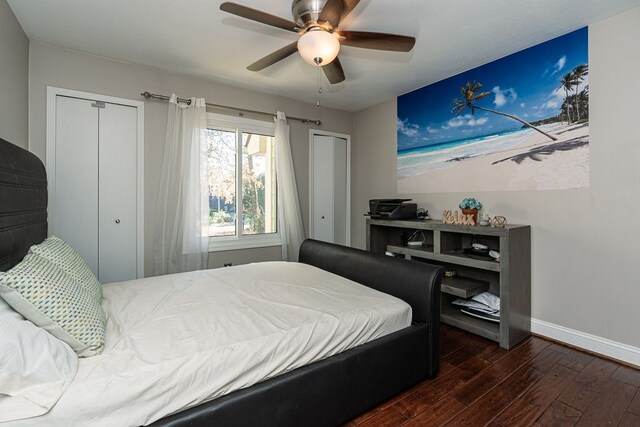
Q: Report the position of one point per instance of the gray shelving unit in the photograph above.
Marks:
(510, 279)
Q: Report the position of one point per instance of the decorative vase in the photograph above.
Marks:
(473, 212)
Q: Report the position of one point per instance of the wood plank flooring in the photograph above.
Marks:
(538, 383)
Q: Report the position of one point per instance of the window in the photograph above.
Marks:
(242, 183)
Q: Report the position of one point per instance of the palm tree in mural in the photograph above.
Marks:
(470, 97)
(583, 101)
(567, 83)
(564, 110)
(578, 74)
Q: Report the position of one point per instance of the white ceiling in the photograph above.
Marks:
(195, 37)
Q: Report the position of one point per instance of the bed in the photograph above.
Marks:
(329, 389)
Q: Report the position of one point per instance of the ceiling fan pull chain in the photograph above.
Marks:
(319, 88)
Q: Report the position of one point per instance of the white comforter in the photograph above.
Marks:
(176, 341)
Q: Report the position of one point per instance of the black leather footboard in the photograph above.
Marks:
(418, 284)
(333, 391)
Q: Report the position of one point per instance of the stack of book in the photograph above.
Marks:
(483, 305)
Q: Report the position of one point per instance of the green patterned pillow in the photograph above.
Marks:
(52, 300)
(60, 253)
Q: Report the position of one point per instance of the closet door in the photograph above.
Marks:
(329, 189)
(92, 167)
(117, 215)
(74, 202)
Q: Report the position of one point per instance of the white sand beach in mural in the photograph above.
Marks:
(530, 162)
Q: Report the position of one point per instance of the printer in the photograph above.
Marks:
(392, 209)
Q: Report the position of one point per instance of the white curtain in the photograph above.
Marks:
(290, 218)
(181, 239)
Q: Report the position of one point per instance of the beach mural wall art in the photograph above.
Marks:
(518, 123)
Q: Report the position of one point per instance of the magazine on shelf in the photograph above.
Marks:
(481, 315)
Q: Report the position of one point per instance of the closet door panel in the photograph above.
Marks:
(322, 189)
(75, 196)
(340, 191)
(118, 130)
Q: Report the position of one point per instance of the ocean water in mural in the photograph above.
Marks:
(518, 123)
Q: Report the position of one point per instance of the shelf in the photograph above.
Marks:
(462, 259)
(451, 257)
(509, 279)
(463, 287)
(419, 252)
(485, 328)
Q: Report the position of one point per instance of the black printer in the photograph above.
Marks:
(392, 209)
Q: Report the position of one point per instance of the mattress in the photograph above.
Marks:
(176, 341)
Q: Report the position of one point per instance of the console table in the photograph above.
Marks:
(510, 278)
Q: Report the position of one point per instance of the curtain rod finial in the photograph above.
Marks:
(146, 94)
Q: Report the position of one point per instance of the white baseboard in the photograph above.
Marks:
(613, 349)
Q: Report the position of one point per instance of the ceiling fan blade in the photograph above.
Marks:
(332, 12)
(335, 11)
(378, 41)
(334, 71)
(274, 57)
(258, 16)
(349, 5)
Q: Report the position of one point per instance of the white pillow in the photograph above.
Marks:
(52, 300)
(35, 367)
(61, 254)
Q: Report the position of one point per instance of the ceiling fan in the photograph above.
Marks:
(317, 21)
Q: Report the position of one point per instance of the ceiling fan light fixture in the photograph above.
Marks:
(318, 47)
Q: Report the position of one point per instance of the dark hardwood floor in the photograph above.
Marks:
(537, 383)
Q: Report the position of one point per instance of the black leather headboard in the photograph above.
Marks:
(23, 203)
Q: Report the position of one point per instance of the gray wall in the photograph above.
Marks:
(52, 66)
(14, 79)
(586, 243)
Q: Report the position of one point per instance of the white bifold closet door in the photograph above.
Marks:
(94, 206)
(329, 183)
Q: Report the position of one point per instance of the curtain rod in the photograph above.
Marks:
(148, 95)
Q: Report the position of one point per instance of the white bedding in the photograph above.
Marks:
(176, 341)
